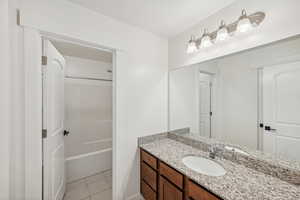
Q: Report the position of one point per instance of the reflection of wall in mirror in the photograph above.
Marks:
(184, 97)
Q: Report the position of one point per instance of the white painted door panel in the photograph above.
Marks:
(281, 110)
(205, 105)
(53, 122)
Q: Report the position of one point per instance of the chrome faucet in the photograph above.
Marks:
(215, 150)
(212, 151)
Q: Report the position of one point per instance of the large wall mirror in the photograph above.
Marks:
(250, 99)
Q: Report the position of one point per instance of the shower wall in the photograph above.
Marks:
(88, 117)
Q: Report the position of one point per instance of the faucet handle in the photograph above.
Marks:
(216, 147)
(212, 149)
(216, 150)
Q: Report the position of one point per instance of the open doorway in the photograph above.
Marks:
(77, 114)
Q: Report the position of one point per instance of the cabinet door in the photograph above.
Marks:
(167, 191)
(198, 193)
(147, 192)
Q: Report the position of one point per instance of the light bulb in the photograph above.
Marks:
(222, 33)
(206, 40)
(244, 24)
(192, 46)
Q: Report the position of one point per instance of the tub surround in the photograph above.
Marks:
(247, 177)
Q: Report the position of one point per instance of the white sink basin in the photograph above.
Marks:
(235, 149)
(204, 166)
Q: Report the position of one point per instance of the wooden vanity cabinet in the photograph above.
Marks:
(170, 174)
(161, 182)
(147, 191)
(149, 176)
(168, 191)
(196, 192)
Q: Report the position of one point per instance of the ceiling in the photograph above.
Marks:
(74, 50)
(164, 17)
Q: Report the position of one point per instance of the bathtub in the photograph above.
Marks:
(84, 165)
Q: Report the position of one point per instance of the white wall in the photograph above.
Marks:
(12, 93)
(282, 21)
(183, 102)
(237, 101)
(184, 95)
(141, 76)
(5, 114)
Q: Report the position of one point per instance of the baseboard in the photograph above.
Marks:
(137, 196)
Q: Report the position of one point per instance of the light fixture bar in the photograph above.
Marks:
(255, 19)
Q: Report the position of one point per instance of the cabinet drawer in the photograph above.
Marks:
(171, 174)
(149, 175)
(198, 193)
(149, 159)
(147, 192)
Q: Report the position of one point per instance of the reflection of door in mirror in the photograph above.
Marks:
(281, 110)
(205, 104)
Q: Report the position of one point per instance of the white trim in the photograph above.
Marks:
(33, 114)
(168, 102)
(280, 60)
(114, 127)
(137, 196)
(33, 109)
(76, 41)
(259, 108)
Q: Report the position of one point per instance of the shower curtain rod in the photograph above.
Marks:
(87, 78)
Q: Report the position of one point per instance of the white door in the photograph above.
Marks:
(53, 122)
(205, 91)
(281, 110)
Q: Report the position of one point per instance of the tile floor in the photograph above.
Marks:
(96, 187)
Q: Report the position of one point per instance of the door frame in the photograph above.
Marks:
(281, 60)
(33, 106)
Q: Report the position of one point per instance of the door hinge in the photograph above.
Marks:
(18, 18)
(210, 113)
(44, 60)
(44, 133)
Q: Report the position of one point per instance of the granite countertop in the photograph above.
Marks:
(239, 182)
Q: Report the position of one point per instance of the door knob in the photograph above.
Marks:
(66, 133)
(269, 128)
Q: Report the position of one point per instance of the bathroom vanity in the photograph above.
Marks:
(165, 176)
(160, 181)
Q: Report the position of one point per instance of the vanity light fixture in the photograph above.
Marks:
(205, 40)
(222, 33)
(192, 46)
(244, 24)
